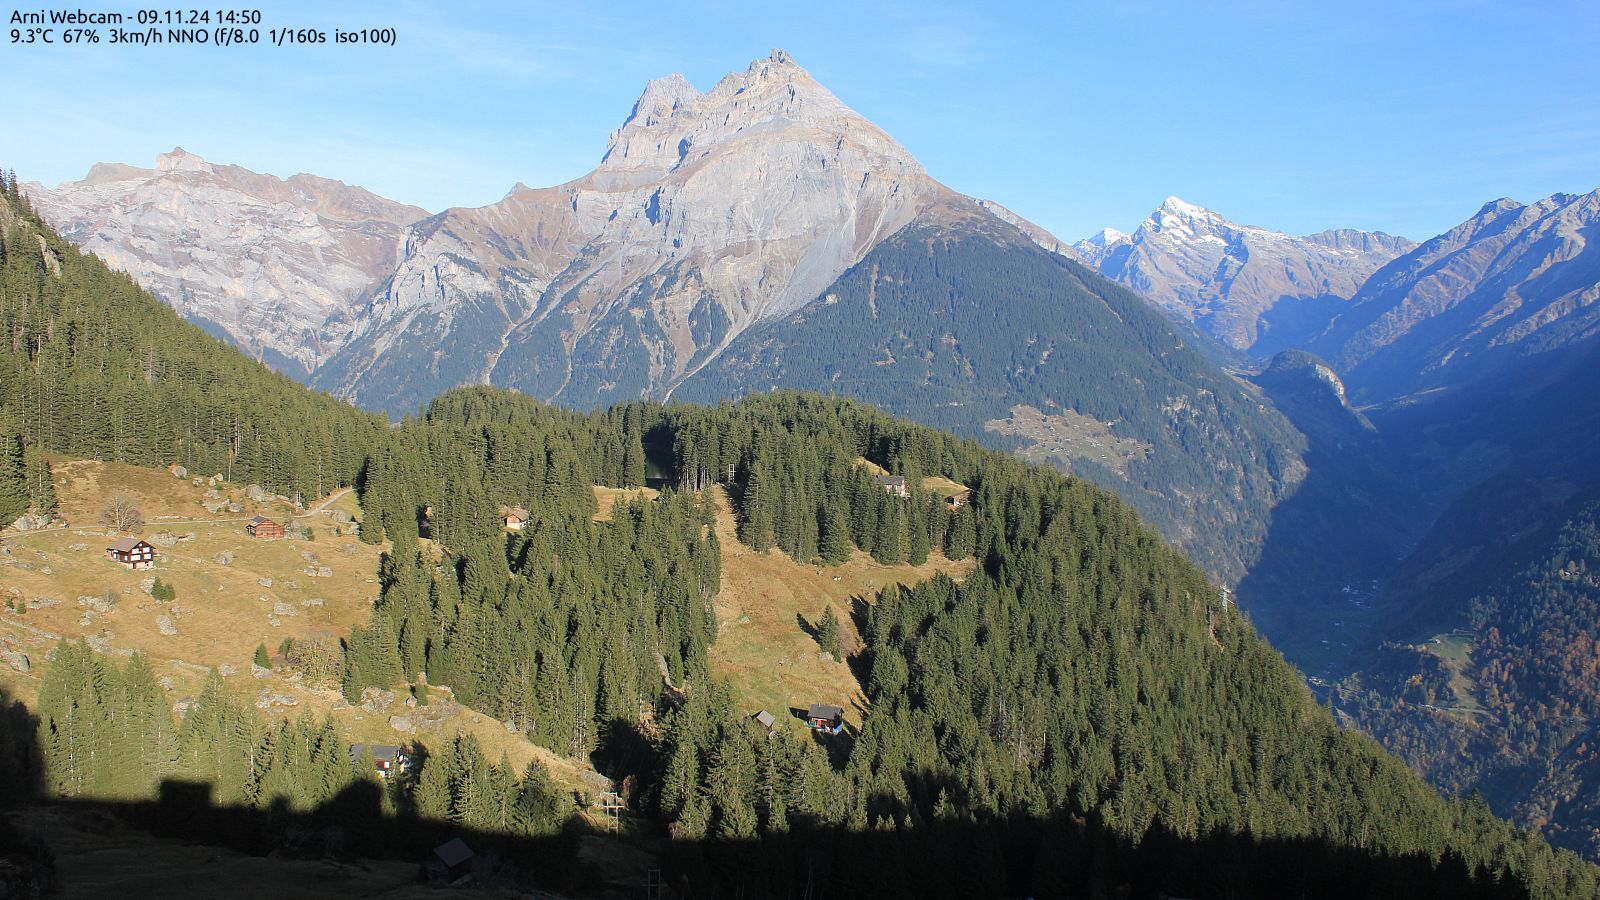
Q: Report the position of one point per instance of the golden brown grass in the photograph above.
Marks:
(762, 650)
(606, 497)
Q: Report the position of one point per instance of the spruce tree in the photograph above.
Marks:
(828, 634)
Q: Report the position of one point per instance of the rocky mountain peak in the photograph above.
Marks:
(1239, 282)
(673, 125)
(181, 160)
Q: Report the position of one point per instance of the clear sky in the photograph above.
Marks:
(1403, 116)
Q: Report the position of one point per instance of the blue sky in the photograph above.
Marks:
(1397, 116)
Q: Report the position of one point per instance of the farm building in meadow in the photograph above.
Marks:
(894, 484)
(766, 720)
(825, 718)
(132, 552)
(264, 529)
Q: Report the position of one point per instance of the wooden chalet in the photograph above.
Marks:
(766, 720)
(825, 718)
(894, 484)
(516, 519)
(388, 760)
(264, 529)
(132, 552)
(959, 499)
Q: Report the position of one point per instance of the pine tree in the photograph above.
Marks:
(14, 495)
(828, 634)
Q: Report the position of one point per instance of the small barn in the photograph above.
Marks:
(959, 499)
(516, 519)
(825, 718)
(894, 484)
(264, 529)
(449, 863)
(766, 720)
(388, 760)
(132, 552)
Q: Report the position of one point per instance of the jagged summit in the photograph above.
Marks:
(672, 124)
(1251, 287)
(181, 160)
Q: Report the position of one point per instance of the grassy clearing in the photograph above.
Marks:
(606, 497)
(762, 650)
(1066, 436)
(1454, 651)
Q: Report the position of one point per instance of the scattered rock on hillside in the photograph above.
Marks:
(264, 581)
(374, 699)
(165, 626)
(147, 585)
(313, 601)
(43, 602)
(227, 669)
(235, 508)
(16, 659)
(342, 517)
(225, 558)
(258, 671)
(180, 472)
(284, 609)
(78, 547)
(268, 699)
(163, 539)
(98, 604)
(256, 494)
(30, 522)
(319, 571)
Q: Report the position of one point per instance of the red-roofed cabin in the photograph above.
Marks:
(132, 552)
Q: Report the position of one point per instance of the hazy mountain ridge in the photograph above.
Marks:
(277, 266)
(1514, 280)
(1248, 287)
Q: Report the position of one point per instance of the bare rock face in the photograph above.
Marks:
(1513, 281)
(709, 213)
(274, 265)
(1251, 288)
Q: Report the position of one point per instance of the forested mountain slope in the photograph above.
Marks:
(92, 366)
(968, 327)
